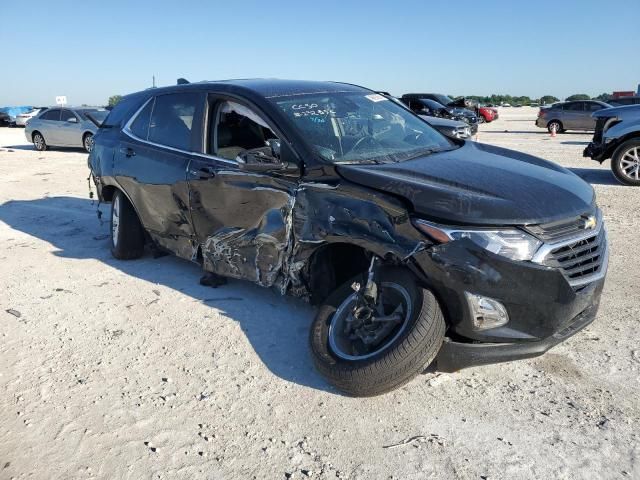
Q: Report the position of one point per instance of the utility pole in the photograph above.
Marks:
(153, 81)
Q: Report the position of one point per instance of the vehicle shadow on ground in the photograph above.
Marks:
(574, 142)
(49, 149)
(597, 176)
(277, 327)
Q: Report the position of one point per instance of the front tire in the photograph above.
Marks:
(360, 369)
(38, 142)
(625, 163)
(127, 234)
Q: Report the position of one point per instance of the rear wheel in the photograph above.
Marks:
(127, 235)
(87, 142)
(625, 162)
(366, 351)
(38, 142)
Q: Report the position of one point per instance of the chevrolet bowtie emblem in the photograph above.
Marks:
(590, 222)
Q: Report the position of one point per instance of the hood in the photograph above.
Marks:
(442, 122)
(626, 112)
(480, 184)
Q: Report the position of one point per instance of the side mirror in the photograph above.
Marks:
(72, 120)
(256, 160)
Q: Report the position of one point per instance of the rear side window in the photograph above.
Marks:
(140, 126)
(172, 119)
(51, 115)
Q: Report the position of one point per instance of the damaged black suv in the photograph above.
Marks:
(416, 247)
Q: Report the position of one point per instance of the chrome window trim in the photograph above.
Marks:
(127, 131)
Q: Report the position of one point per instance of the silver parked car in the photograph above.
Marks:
(569, 115)
(23, 118)
(65, 127)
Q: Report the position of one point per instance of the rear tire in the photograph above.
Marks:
(625, 163)
(127, 234)
(408, 352)
(558, 125)
(39, 142)
(87, 142)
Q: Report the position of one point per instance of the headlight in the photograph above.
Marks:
(510, 242)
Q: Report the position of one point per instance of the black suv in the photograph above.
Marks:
(415, 246)
(425, 104)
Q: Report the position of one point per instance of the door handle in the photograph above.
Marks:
(128, 152)
(203, 173)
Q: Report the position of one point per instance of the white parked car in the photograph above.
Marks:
(23, 118)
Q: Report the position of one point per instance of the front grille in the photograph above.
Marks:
(582, 256)
(559, 230)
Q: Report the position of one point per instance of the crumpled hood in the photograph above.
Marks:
(480, 184)
(623, 112)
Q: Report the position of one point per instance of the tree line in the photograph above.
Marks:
(525, 100)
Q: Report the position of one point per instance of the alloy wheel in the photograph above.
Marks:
(38, 141)
(358, 332)
(630, 163)
(88, 143)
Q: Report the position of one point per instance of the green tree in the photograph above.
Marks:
(603, 97)
(547, 99)
(578, 96)
(114, 99)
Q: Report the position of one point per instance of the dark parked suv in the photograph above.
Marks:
(415, 246)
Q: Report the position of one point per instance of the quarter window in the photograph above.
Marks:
(172, 119)
(140, 126)
(239, 129)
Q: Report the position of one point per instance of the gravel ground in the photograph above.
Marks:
(113, 369)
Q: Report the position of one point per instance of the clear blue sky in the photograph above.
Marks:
(89, 50)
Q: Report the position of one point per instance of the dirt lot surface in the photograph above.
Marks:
(115, 369)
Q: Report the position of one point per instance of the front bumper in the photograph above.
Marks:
(454, 356)
(544, 309)
(598, 151)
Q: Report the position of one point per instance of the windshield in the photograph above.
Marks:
(356, 127)
(443, 99)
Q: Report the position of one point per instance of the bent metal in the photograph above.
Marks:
(417, 248)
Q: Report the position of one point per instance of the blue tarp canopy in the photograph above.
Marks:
(13, 111)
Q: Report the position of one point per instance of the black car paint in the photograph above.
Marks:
(267, 227)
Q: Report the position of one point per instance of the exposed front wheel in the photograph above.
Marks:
(625, 162)
(127, 235)
(369, 350)
(87, 142)
(38, 142)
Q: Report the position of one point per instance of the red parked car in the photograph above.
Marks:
(487, 114)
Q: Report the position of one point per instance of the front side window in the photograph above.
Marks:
(239, 129)
(172, 119)
(68, 115)
(360, 127)
(53, 115)
(594, 107)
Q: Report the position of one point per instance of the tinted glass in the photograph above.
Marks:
(593, 107)
(239, 129)
(140, 126)
(68, 115)
(172, 119)
(360, 127)
(122, 111)
(51, 115)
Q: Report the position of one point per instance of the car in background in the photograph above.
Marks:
(23, 118)
(621, 101)
(563, 116)
(450, 128)
(65, 127)
(5, 119)
(433, 108)
(617, 136)
(487, 114)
